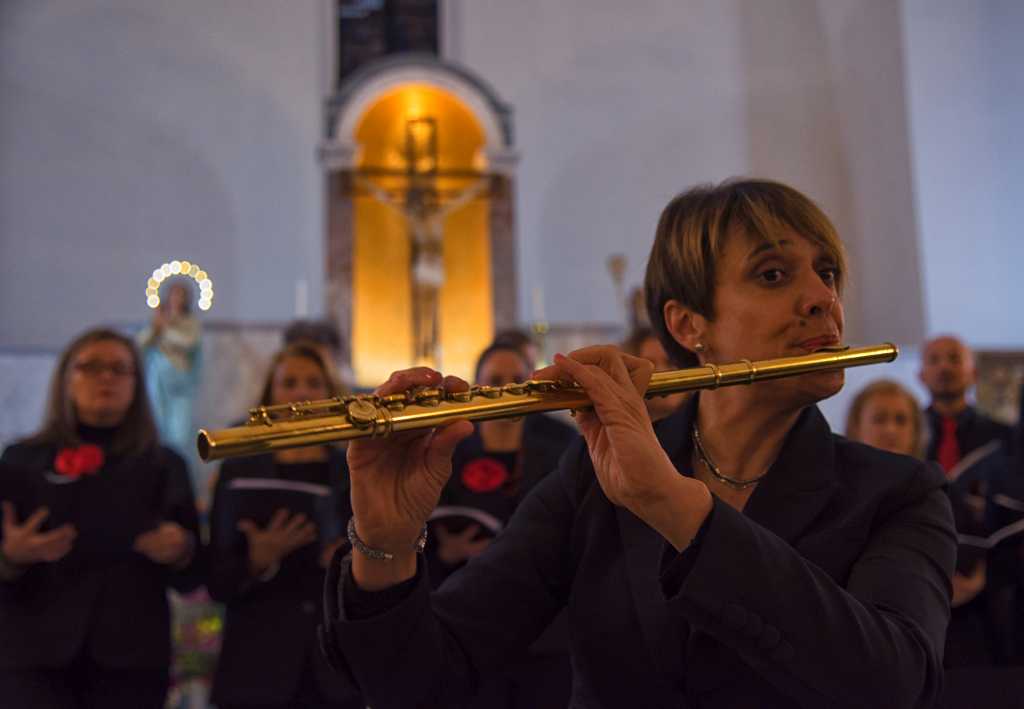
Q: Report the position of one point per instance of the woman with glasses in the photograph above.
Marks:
(99, 521)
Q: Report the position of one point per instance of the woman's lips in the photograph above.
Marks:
(816, 343)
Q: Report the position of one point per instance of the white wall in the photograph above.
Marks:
(134, 132)
(620, 105)
(964, 64)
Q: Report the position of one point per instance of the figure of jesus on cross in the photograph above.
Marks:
(424, 210)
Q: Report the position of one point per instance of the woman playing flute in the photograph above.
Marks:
(736, 554)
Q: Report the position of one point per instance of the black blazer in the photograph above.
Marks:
(270, 626)
(103, 598)
(974, 430)
(831, 589)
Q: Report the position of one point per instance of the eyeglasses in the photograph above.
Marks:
(95, 368)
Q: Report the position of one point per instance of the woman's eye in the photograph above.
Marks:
(771, 275)
(830, 275)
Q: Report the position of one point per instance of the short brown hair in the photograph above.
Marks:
(137, 432)
(885, 386)
(307, 351)
(691, 237)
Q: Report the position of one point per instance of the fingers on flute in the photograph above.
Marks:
(454, 384)
(406, 379)
(604, 358)
(446, 438)
(417, 377)
(591, 378)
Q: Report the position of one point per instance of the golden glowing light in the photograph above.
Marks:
(381, 249)
(180, 268)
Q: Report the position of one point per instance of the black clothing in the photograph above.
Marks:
(98, 615)
(85, 684)
(270, 653)
(540, 678)
(973, 430)
(979, 631)
(830, 589)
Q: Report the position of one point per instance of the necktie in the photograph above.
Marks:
(948, 451)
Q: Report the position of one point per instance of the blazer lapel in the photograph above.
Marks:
(793, 495)
(643, 548)
(800, 483)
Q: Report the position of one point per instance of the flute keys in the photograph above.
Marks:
(488, 392)
(394, 402)
(516, 388)
(362, 413)
(429, 397)
(259, 416)
(541, 385)
(462, 397)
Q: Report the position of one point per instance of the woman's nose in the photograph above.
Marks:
(818, 298)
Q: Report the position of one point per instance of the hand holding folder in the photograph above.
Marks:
(269, 545)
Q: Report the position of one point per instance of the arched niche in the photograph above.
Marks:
(369, 232)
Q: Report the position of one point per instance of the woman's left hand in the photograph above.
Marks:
(630, 463)
(168, 544)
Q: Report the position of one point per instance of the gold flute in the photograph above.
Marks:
(311, 423)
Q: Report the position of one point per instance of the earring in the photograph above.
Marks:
(700, 347)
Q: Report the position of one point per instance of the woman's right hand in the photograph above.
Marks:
(397, 480)
(24, 544)
(283, 534)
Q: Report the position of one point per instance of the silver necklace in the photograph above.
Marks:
(718, 474)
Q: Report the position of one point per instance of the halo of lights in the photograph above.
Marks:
(180, 268)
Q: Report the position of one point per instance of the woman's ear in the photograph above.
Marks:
(686, 326)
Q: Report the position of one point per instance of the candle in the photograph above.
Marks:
(538, 304)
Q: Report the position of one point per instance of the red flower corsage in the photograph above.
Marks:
(85, 459)
(484, 475)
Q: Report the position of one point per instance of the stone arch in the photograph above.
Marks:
(339, 155)
(364, 87)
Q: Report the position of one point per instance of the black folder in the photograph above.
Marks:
(258, 499)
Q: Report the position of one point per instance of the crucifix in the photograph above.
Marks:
(424, 207)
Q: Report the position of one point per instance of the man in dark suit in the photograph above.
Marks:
(972, 450)
(957, 428)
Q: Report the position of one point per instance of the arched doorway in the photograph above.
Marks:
(421, 253)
